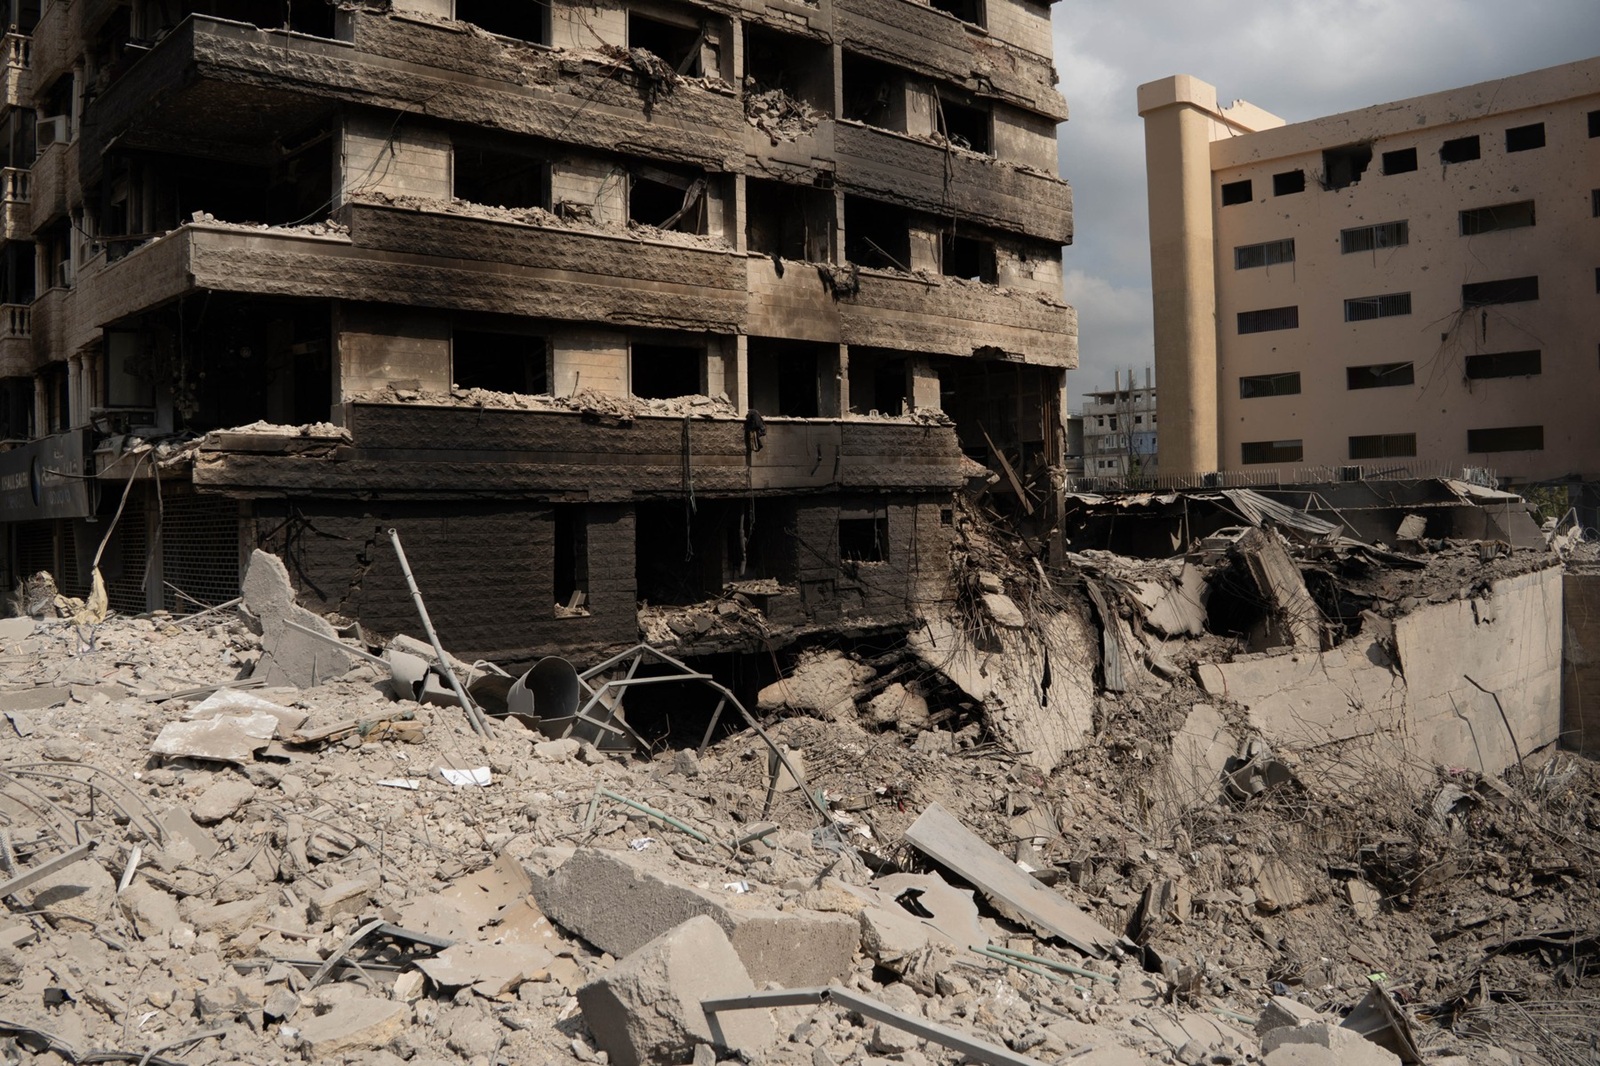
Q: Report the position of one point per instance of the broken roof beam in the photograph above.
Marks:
(1299, 620)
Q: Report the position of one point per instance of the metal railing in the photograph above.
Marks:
(1409, 470)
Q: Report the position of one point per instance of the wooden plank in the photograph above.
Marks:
(938, 835)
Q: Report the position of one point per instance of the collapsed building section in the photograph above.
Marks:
(482, 256)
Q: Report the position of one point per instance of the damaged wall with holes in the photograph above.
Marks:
(676, 254)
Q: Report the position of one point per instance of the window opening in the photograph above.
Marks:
(1271, 451)
(1459, 150)
(1255, 386)
(972, 258)
(1501, 216)
(876, 234)
(1504, 364)
(1384, 446)
(788, 221)
(784, 375)
(664, 371)
(965, 125)
(1364, 308)
(1372, 238)
(1270, 253)
(677, 46)
(1289, 182)
(874, 93)
(1400, 161)
(1506, 439)
(1525, 138)
(526, 20)
(499, 362)
(1594, 123)
(966, 10)
(571, 562)
(1236, 192)
(1269, 319)
(1503, 291)
(864, 540)
(1343, 167)
(1379, 376)
(497, 178)
(667, 201)
(798, 67)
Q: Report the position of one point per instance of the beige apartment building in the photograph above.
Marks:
(1414, 285)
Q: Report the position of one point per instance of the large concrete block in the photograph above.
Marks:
(647, 1008)
(288, 656)
(1300, 1044)
(618, 902)
(354, 1025)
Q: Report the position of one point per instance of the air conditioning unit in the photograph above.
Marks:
(52, 130)
(64, 274)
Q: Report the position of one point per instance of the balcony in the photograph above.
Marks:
(16, 340)
(18, 69)
(14, 198)
(442, 451)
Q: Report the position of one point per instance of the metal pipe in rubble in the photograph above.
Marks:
(474, 716)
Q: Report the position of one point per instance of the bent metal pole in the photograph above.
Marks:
(475, 716)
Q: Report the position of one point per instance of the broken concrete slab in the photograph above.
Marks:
(821, 684)
(1175, 604)
(288, 657)
(1281, 1011)
(618, 902)
(937, 834)
(1347, 1047)
(1200, 752)
(242, 704)
(1294, 618)
(82, 891)
(353, 1025)
(222, 800)
(34, 698)
(226, 738)
(344, 899)
(647, 1008)
(490, 970)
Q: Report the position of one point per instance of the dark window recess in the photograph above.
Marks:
(1594, 202)
(876, 235)
(1504, 365)
(1506, 439)
(1594, 123)
(1460, 150)
(1343, 167)
(667, 201)
(1597, 279)
(965, 126)
(788, 221)
(966, 10)
(1290, 181)
(1525, 138)
(874, 93)
(1372, 238)
(1384, 446)
(798, 67)
(1501, 216)
(1504, 291)
(1258, 385)
(1379, 376)
(526, 20)
(1271, 451)
(663, 371)
(1271, 253)
(1269, 319)
(498, 178)
(784, 376)
(1364, 308)
(571, 561)
(1400, 161)
(968, 257)
(499, 362)
(864, 540)
(1236, 192)
(677, 46)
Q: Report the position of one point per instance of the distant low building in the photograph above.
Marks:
(1119, 431)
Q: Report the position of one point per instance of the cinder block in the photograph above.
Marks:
(615, 902)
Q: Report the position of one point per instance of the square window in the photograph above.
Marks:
(1236, 192)
(864, 540)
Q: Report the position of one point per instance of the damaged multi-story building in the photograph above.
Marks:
(598, 305)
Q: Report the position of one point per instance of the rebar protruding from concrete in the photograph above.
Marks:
(474, 716)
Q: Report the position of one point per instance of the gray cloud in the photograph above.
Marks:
(1299, 60)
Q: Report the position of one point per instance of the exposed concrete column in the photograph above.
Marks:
(77, 413)
(1178, 114)
(41, 406)
(923, 386)
(835, 387)
(739, 389)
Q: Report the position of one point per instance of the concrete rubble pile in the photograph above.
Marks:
(225, 839)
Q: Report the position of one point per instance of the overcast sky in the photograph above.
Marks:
(1299, 59)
